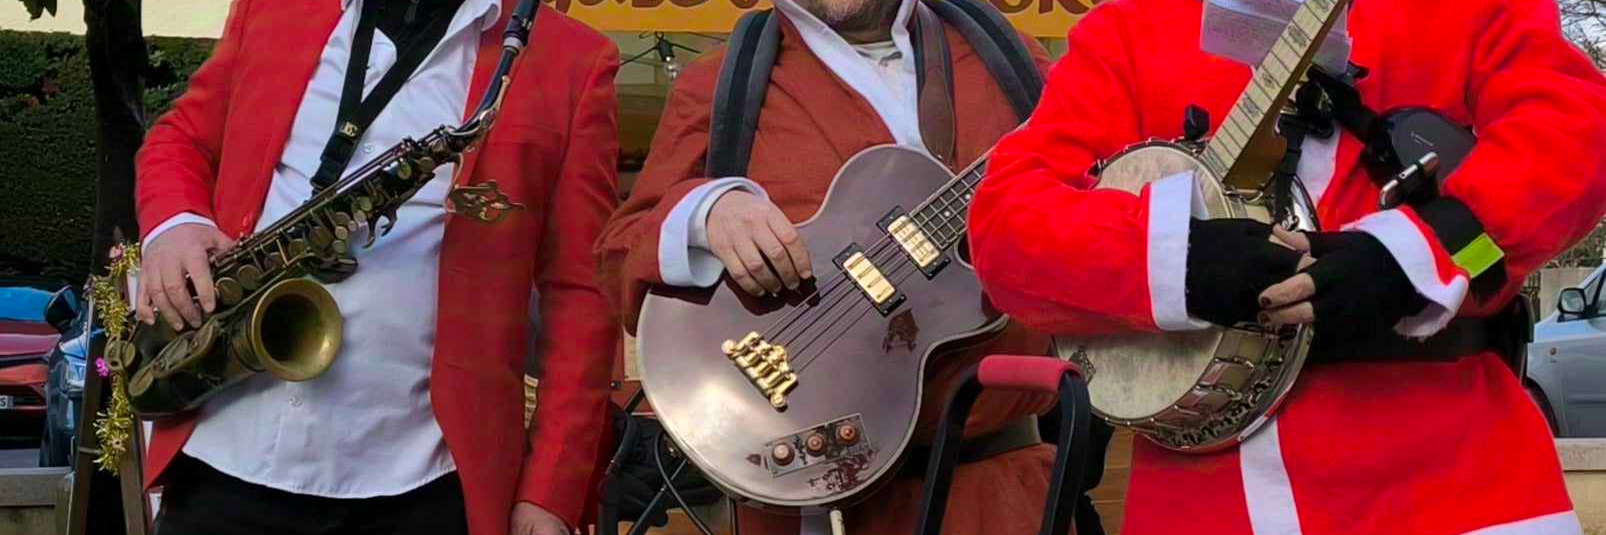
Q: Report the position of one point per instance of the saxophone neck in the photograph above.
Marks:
(514, 39)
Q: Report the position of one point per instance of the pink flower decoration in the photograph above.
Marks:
(101, 368)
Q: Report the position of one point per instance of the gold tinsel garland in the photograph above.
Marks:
(115, 425)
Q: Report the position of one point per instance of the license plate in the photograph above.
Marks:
(7, 402)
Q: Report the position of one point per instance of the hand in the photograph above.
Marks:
(1230, 261)
(176, 257)
(1350, 287)
(530, 519)
(759, 247)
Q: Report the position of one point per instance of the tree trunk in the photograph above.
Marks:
(115, 41)
(117, 63)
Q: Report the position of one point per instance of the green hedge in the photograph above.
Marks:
(47, 144)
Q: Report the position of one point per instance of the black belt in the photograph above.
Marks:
(1019, 434)
(1507, 333)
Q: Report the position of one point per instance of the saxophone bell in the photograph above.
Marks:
(292, 331)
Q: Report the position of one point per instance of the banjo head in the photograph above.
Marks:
(1196, 390)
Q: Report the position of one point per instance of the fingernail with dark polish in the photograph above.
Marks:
(1265, 319)
(1265, 301)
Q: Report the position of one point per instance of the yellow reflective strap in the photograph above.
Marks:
(1478, 256)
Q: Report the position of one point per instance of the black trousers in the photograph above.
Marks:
(199, 500)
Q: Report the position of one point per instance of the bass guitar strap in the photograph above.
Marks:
(750, 55)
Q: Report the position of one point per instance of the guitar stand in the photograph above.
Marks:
(608, 515)
(1040, 374)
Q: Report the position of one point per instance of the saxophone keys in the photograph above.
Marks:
(401, 169)
(249, 275)
(297, 248)
(320, 236)
(425, 164)
(118, 355)
(341, 245)
(342, 220)
(273, 261)
(201, 342)
(363, 204)
(141, 381)
(229, 290)
(344, 264)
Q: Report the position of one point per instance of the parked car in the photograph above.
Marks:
(1567, 362)
(32, 313)
(64, 386)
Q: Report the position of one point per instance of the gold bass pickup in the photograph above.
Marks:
(914, 241)
(766, 365)
(868, 278)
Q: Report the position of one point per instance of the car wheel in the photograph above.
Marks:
(1543, 403)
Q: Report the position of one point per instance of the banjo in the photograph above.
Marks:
(1203, 391)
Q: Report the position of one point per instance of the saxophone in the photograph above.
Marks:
(274, 314)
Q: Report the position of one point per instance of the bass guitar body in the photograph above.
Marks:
(804, 401)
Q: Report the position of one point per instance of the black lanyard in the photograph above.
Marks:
(357, 113)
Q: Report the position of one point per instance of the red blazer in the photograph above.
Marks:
(554, 149)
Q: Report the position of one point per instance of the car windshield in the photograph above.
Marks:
(23, 304)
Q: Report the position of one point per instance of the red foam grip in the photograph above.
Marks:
(1041, 374)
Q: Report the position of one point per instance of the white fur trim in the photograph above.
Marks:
(1173, 200)
(1411, 249)
(1563, 523)
(1267, 491)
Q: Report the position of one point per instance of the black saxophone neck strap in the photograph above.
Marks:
(357, 113)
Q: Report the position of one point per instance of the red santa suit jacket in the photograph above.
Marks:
(554, 149)
(1378, 448)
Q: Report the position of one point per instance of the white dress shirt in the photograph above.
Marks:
(883, 73)
(366, 427)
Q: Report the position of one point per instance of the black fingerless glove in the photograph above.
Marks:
(1361, 291)
(1230, 262)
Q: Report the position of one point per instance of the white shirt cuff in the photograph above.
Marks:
(684, 257)
(1173, 201)
(186, 218)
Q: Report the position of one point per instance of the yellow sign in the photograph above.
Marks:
(1038, 18)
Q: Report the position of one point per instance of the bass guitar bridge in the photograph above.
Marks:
(766, 366)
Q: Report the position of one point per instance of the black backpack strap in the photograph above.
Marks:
(744, 77)
(1000, 48)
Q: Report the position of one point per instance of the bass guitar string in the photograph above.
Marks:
(900, 272)
(875, 252)
(879, 249)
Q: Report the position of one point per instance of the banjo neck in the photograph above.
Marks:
(1245, 149)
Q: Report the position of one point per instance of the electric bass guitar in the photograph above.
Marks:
(805, 401)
